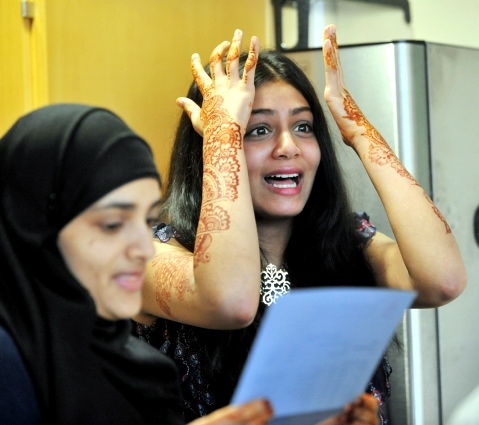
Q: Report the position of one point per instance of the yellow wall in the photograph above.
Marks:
(15, 87)
(132, 56)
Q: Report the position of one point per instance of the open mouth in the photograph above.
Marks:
(283, 181)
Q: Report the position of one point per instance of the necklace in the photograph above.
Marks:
(274, 284)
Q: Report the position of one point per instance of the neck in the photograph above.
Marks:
(273, 237)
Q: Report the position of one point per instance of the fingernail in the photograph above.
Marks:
(268, 407)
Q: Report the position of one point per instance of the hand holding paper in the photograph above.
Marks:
(317, 349)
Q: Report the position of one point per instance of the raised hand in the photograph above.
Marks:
(424, 255)
(226, 94)
(352, 123)
(348, 116)
(190, 287)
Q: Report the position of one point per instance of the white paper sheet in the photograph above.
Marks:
(317, 349)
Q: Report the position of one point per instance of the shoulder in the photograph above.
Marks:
(18, 403)
(11, 364)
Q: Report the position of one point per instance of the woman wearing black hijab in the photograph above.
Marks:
(78, 191)
(54, 163)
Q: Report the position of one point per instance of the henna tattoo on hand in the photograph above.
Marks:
(250, 63)
(233, 54)
(380, 152)
(199, 81)
(214, 59)
(330, 54)
(329, 58)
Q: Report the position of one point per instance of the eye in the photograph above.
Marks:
(112, 227)
(304, 128)
(258, 131)
(151, 221)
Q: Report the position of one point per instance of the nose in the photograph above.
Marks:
(286, 147)
(141, 245)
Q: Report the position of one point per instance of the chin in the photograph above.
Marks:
(126, 309)
(278, 215)
(124, 315)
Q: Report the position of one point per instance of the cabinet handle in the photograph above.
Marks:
(28, 10)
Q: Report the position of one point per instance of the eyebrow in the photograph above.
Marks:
(294, 111)
(126, 206)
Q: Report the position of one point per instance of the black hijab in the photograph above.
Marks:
(54, 163)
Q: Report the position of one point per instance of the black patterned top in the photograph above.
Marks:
(181, 342)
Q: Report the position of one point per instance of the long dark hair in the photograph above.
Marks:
(324, 246)
(323, 230)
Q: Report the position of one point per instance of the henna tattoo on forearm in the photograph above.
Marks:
(202, 243)
(170, 274)
(213, 219)
(380, 152)
(222, 140)
(438, 213)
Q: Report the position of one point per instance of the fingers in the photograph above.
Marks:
(254, 413)
(331, 75)
(329, 54)
(330, 47)
(368, 401)
(251, 61)
(202, 79)
(257, 412)
(224, 88)
(193, 111)
(330, 33)
(232, 59)
(330, 61)
(232, 51)
(332, 64)
(216, 58)
(364, 411)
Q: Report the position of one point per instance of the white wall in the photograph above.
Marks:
(453, 22)
(446, 21)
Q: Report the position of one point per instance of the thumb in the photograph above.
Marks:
(193, 111)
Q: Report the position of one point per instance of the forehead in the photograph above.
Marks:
(276, 95)
(140, 192)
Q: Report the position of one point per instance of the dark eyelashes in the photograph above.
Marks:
(264, 130)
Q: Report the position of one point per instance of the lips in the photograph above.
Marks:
(129, 281)
(283, 181)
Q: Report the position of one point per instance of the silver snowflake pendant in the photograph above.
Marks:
(274, 284)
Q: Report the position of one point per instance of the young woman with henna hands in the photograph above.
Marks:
(282, 180)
